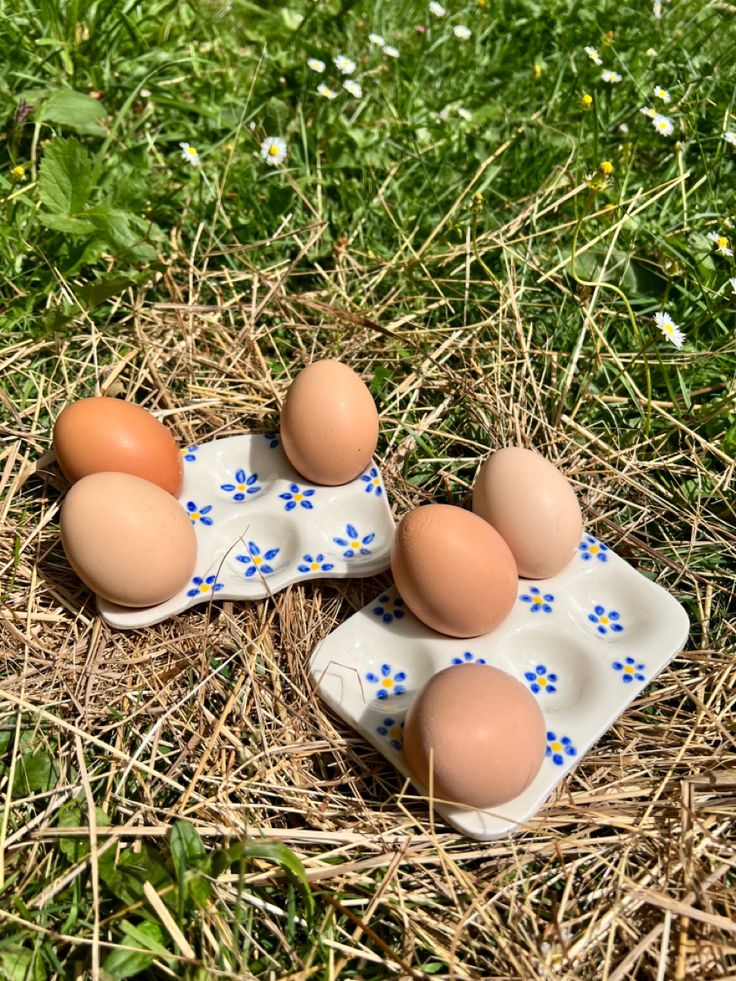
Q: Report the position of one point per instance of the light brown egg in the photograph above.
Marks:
(127, 539)
(329, 423)
(453, 571)
(485, 733)
(532, 506)
(98, 435)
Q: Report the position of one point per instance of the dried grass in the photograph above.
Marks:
(627, 872)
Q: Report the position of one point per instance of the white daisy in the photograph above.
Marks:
(353, 88)
(661, 93)
(669, 328)
(657, 9)
(721, 243)
(609, 76)
(345, 66)
(273, 150)
(437, 9)
(648, 112)
(145, 93)
(316, 65)
(651, 53)
(623, 128)
(461, 31)
(465, 114)
(391, 51)
(663, 124)
(592, 53)
(732, 282)
(189, 154)
(377, 40)
(444, 114)
(326, 91)
(730, 137)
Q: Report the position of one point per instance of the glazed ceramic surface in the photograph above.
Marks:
(585, 643)
(260, 527)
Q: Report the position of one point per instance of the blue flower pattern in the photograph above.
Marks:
(468, 658)
(297, 497)
(538, 600)
(558, 748)
(273, 440)
(630, 670)
(243, 486)
(605, 621)
(388, 683)
(257, 561)
(199, 514)
(393, 731)
(389, 608)
(372, 481)
(540, 679)
(314, 563)
(354, 544)
(590, 549)
(200, 586)
(190, 453)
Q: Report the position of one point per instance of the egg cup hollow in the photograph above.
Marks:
(585, 642)
(261, 527)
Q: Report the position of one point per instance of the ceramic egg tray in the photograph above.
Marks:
(584, 642)
(260, 527)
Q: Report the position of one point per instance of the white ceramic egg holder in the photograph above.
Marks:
(260, 527)
(584, 642)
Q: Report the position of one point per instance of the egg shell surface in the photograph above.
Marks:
(532, 506)
(127, 539)
(98, 435)
(484, 731)
(453, 570)
(329, 423)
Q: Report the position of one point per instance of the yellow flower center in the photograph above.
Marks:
(388, 607)
(315, 565)
(376, 481)
(395, 733)
(298, 497)
(668, 328)
(604, 619)
(628, 670)
(542, 682)
(257, 560)
(537, 71)
(556, 747)
(606, 167)
(387, 683)
(273, 150)
(196, 515)
(191, 151)
(722, 242)
(18, 171)
(355, 544)
(593, 549)
(537, 601)
(204, 588)
(587, 100)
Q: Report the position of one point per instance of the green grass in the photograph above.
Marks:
(497, 237)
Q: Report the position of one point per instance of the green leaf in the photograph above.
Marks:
(269, 851)
(73, 815)
(291, 18)
(126, 878)
(127, 963)
(63, 223)
(36, 772)
(190, 860)
(20, 964)
(65, 179)
(74, 110)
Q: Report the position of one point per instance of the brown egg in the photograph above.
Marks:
(532, 506)
(130, 541)
(329, 423)
(453, 570)
(102, 434)
(485, 733)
